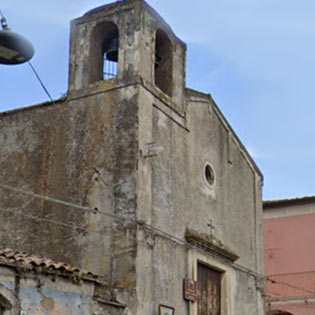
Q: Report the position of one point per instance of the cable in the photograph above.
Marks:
(174, 238)
(147, 226)
(106, 214)
(143, 224)
(96, 210)
(183, 243)
(88, 209)
(40, 81)
(64, 203)
(288, 285)
(36, 218)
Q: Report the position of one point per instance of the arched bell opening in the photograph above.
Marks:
(163, 67)
(104, 52)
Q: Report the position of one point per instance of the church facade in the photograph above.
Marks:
(135, 177)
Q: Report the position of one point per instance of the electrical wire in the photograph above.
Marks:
(174, 238)
(87, 209)
(288, 285)
(64, 203)
(94, 210)
(36, 218)
(40, 81)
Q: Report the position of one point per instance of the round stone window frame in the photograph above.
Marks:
(209, 175)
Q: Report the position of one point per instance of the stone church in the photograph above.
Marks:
(135, 177)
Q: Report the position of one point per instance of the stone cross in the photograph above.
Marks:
(211, 226)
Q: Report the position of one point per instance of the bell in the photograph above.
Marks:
(111, 53)
(14, 48)
(157, 61)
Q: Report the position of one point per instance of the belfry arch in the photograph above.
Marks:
(104, 52)
(163, 67)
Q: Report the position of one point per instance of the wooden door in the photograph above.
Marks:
(209, 291)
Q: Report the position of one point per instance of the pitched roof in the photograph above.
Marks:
(288, 202)
(21, 260)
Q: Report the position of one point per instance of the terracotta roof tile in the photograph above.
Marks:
(19, 259)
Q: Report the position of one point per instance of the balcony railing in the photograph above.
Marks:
(290, 286)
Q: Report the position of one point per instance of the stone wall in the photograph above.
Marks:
(74, 164)
(174, 197)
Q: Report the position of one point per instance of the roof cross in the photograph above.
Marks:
(211, 227)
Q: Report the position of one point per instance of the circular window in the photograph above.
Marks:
(209, 174)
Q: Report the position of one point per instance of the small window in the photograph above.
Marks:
(163, 67)
(209, 175)
(104, 52)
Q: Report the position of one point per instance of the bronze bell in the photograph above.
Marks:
(157, 61)
(14, 48)
(111, 53)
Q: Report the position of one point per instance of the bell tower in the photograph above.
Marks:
(127, 71)
(126, 43)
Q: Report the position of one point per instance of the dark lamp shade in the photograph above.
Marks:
(14, 48)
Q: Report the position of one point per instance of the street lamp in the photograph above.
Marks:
(14, 48)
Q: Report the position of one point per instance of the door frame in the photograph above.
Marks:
(196, 256)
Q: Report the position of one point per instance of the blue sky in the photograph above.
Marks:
(256, 58)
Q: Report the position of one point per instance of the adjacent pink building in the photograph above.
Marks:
(289, 241)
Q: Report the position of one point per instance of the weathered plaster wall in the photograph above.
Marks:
(82, 152)
(57, 298)
(39, 294)
(173, 197)
(231, 201)
(289, 244)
